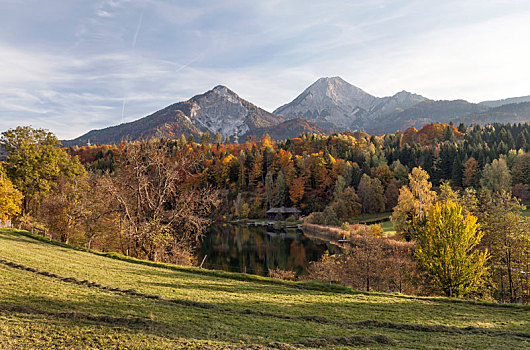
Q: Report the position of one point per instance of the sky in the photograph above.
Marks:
(73, 66)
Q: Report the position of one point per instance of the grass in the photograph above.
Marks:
(175, 307)
(371, 217)
(526, 212)
(388, 227)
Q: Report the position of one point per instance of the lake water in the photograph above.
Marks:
(256, 249)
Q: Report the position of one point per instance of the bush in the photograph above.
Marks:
(316, 217)
(290, 219)
(286, 275)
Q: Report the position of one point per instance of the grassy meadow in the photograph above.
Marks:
(55, 296)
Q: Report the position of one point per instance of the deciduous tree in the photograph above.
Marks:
(446, 248)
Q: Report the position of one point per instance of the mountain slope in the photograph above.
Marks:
(337, 105)
(170, 122)
(509, 113)
(422, 113)
(330, 100)
(218, 110)
(288, 129)
(506, 101)
(57, 297)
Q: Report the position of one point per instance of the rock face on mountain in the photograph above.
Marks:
(218, 110)
(222, 110)
(330, 101)
(334, 103)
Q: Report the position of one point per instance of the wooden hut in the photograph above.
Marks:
(283, 213)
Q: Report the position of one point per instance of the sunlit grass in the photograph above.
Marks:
(176, 326)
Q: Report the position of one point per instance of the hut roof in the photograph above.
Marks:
(283, 210)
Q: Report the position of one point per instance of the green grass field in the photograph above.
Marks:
(53, 296)
(526, 212)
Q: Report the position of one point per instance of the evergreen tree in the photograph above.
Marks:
(279, 190)
(206, 138)
(218, 139)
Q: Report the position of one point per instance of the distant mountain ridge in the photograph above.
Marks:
(328, 105)
(506, 101)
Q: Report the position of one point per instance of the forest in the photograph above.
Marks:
(456, 197)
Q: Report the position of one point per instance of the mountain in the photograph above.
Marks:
(498, 103)
(424, 112)
(337, 105)
(509, 113)
(288, 129)
(328, 105)
(393, 105)
(218, 110)
(330, 101)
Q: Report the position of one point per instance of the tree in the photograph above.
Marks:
(496, 176)
(35, 162)
(414, 200)
(162, 212)
(346, 204)
(521, 169)
(296, 191)
(218, 138)
(522, 192)
(371, 195)
(445, 247)
(206, 138)
(391, 196)
(279, 190)
(469, 178)
(507, 235)
(10, 198)
(269, 190)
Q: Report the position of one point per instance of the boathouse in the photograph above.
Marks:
(283, 213)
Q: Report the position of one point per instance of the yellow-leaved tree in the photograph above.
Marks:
(446, 244)
(10, 198)
(414, 200)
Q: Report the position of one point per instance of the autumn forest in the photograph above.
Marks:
(455, 197)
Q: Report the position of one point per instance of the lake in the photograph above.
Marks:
(256, 249)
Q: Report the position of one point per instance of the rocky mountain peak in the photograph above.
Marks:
(330, 100)
(219, 91)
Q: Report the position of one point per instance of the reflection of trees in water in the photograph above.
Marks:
(252, 249)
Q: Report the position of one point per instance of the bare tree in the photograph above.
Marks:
(163, 211)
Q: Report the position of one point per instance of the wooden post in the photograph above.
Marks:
(203, 260)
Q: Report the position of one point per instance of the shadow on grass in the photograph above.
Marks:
(306, 285)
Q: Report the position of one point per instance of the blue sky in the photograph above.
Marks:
(72, 66)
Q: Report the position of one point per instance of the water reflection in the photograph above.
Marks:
(251, 249)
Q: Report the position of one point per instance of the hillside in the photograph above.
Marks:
(288, 129)
(509, 113)
(55, 295)
(506, 101)
(423, 113)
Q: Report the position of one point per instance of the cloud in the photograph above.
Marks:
(104, 14)
(81, 65)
